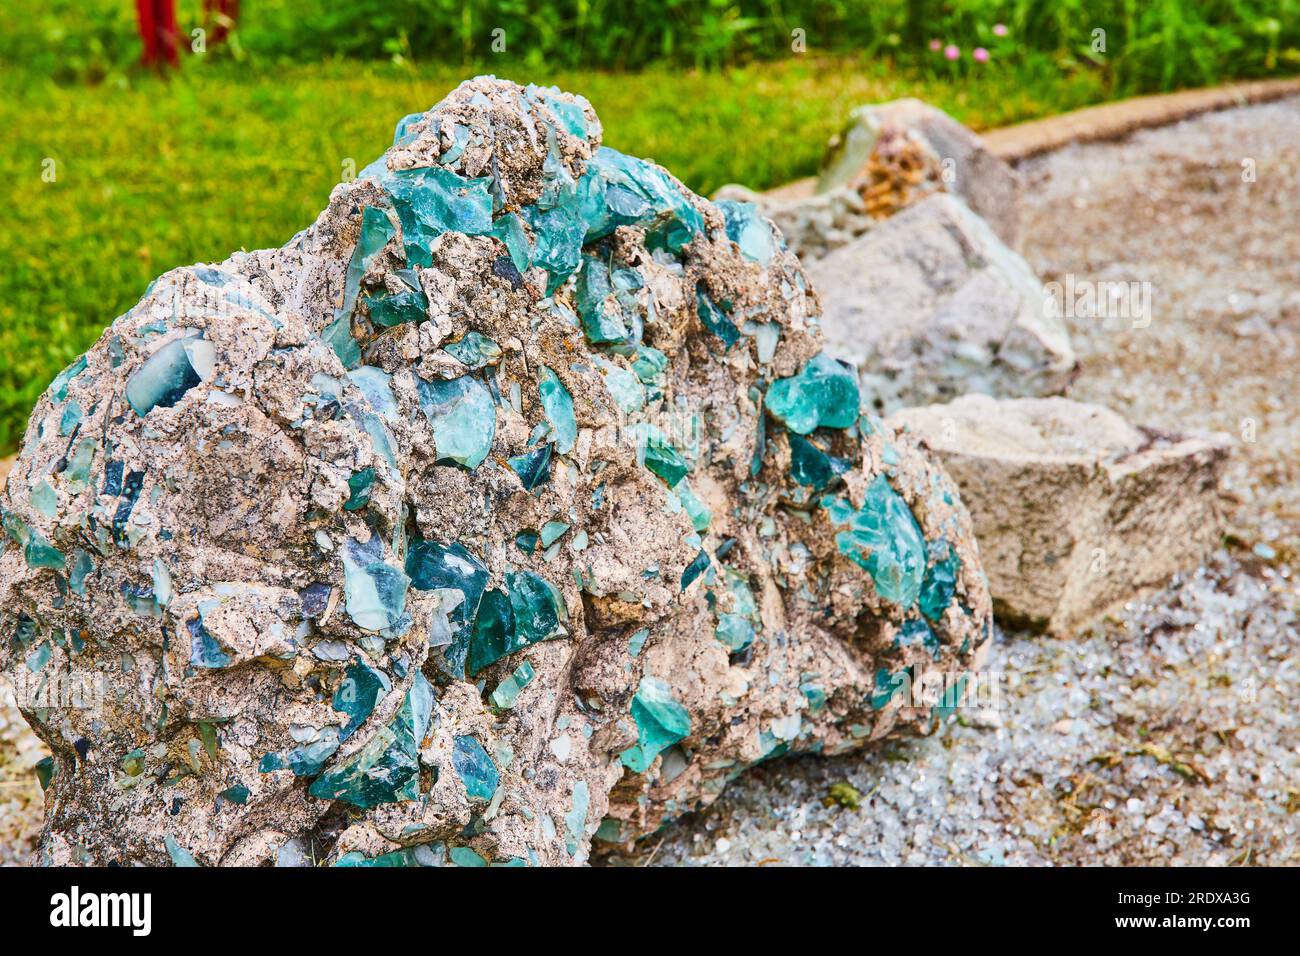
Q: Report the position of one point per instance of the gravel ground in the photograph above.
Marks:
(1169, 735)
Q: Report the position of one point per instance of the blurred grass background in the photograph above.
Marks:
(241, 146)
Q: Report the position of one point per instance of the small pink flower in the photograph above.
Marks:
(980, 54)
(1000, 30)
(952, 51)
(936, 45)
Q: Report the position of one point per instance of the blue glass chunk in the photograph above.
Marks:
(533, 467)
(823, 395)
(361, 688)
(884, 538)
(463, 418)
(475, 768)
(811, 466)
(557, 403)
(431, 201)
(432, 566)
(660, 722)
(169, 373)
(715, 319)
(474, 350)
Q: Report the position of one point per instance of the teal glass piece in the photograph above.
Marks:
(82, 567)
(415, 856)
(575, 821)
(636, 642)
(619, 190)
(624, 386)
(813, 692)
(664, 461)
(431, 201)
(571, 116)
(916, 631)
(823, 395)
(180, 856)
(940, 582)
(884, 538)
(338, 336)
(660, 722)
(308, 758)
(558, 235)
(391, 309)
(695, 569)
(464, 856)
(748, 230)
(79, 465)
(551, 532)
(735, 631)
(38, 658)
(459, 140)
(474, 350)
(509, 229)
(811, 466)
(169, 373)
(526, 541)
(715, 319)
(237, 794)
(163, 591)
(539, 610)
(59, 387)
(887, 687)
(387, 769)
(39, 553)
(361, 688)
(766, 336)
(132, 762)
(533, 467)
(493, 635)
(649, 365)
(377, 387)
(205, 652)
(760, 434)
(432, 566)
(557, 403)
(403, 134)
(463, 418)
(71, 418)
(475, 768)
(603, 319)
(359, 486)
(44, 772)
(374, 592)
(44, 499)
(507, 692)
(695, 509)
(377, 230)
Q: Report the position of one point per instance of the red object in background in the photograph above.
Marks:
(220, 15)
(157, 21)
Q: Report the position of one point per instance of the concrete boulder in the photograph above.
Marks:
(1075, 510)
(931, 304)
(511, 503)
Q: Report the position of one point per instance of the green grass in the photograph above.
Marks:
(154, 173)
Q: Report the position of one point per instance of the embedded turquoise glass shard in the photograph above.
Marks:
(377, 230)
(391, 309)
(823, 395)
(431, 201)
(533, 467)
(619, 190)
(463, 418)
(59, 387)
(915, 630)
(715, 319)
(432, 566)
(205, 652)
(508, 691)
(359, 487)
(307, 759)
(529, 611)
(575, 821)
(509, 229)
(558, 235)
(539, 609)
(887, 687)
(377, 387)
(748, 230)
(474, 350)
(884, 538)
(660, 722)
(403, 133)
(940, 581)
(695, 509)
(361, 688)
(663, 460)
(735, 631)
(603, 318)
(374, 592)
(475, 768)
(169, 373)
(695, 569)
(811, 466)
(557, 403)
(623, 386)
(387, 769)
